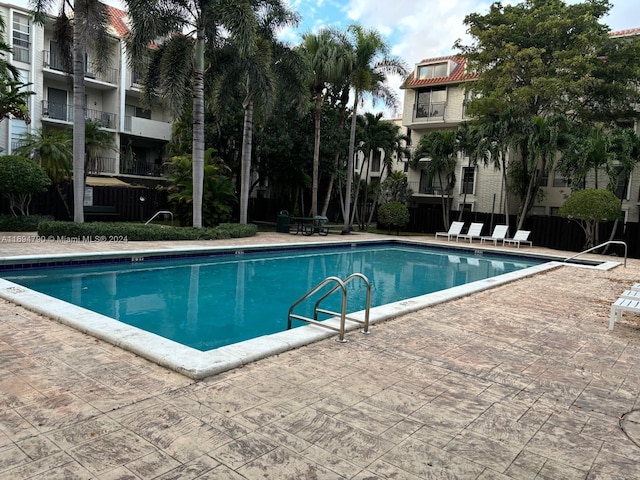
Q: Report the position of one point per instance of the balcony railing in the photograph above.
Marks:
(100, 165)
(130, 166)
(54, 62)
(431, 112)
(64, 112)
(419, 189)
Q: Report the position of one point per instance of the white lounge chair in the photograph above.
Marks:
(454, 230)
(499, 233)
(620, 306)
(474, 232)
(521, 236)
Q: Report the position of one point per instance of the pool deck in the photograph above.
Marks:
(522, 381)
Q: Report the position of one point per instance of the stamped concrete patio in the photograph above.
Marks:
(522, 381)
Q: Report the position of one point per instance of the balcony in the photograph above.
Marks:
(53, 61)
(101, 165)
(143, 127)
(433, 112)
(143, 168)
(426, 190)
(61, 112)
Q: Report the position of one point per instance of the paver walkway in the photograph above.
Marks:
(523, 381)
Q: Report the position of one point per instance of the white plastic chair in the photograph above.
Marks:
(475, 231)
(521, 236)
(454, 230)
(499, 233)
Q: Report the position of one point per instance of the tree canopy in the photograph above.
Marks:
(547, 56)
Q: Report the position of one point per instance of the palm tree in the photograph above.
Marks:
(329, 58)
(175, 71)
(440, 147)
(82, 28)
(53, 151)
(372, 63)
(97, 140)
(260, 70)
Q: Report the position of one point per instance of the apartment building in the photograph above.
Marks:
(435, 99)
(112, 98)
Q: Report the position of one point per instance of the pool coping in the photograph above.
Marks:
(197, 364)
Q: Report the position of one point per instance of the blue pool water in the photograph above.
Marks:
(208, 302)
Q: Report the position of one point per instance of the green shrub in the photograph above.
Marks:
(393, 215)
(102, 231)
(29, 223)
(588, 207)
(20, 177)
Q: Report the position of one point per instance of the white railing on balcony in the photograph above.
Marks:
(101, 165)
(147, 128)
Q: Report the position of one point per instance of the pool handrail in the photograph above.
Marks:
(609, 242)
(161, 212)
(351, 277)
(340, 284)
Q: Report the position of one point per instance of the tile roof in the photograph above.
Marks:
(458, 74)
(626, 33)
(118, 21)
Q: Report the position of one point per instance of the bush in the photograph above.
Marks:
(588, 207)
(138, 232)
(20, 177)
(29, 223)
(393, 215)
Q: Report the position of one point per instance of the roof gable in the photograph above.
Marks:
(457, 75)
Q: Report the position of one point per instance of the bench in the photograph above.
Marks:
(100, 211)
(620, 306)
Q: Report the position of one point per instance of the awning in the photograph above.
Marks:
(108, 182)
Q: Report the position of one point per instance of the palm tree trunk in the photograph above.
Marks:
(346, 228)
(316, 155)
(198, 130)
(78, 119)
(245, 162)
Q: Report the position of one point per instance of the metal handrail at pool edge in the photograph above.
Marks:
(610, 242)
(351, 277)
(340, 284)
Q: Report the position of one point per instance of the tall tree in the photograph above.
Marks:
(52, 150)
(329, 59)
(372, 62)
(180, 30)
(80, 27)
(260, 70)
(540, 58)
(441, 150)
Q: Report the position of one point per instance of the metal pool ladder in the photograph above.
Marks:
(339, 285)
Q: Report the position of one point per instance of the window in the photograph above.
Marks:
(538, 210)
(622, 184)
(466, 207)
(435, 70)
(18, 129)
(543, 178)
(21, 38)
(375, 162)
(559, 180)
(553, 211)
(430, 103)
(468, 180)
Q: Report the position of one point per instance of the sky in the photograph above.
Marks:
(418, 29)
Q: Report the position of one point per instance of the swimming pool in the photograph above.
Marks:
(248, 268)
(217, 300)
